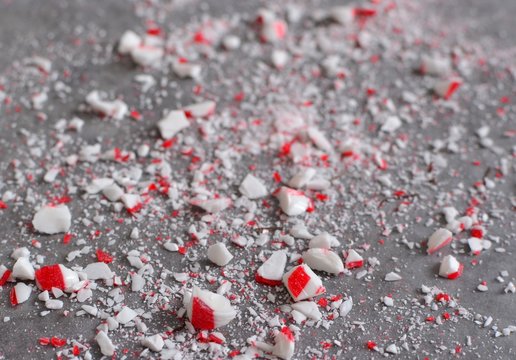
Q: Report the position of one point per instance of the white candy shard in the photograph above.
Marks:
(174, 122)
(113, 192)
(450, 268)
(99, 184)
(319, 139)
(154, 343)
(147, 55)
(23, 269)
(346, 307)
(292, 202)
(323, 260)
(207, 310)
(323, 241)
(435, 65)
(252, 187)
(186, 69)
(391, 124)
(354, 260)
(201, 110)
(284, 344)
(476, 245)
(279, 58)
(392, 348)
(231, 42)
(392, 276)
(129, 41)
(98, 271)
(212, 206)
(219, 254)
(439, 239)
(309, 309)
(271, 271)
(52, 219)
(115, 109)
(302, 178)
(126, 315)
(20, 293)
(106, 345)
(300, 231)
(302, 283)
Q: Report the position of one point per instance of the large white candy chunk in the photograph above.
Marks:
(23, 269)
(309, 309)
(323, 241)
(52, 219)
(252, 187)
(302, 283)
(20, 293)
(207, 310)
(439, 239)
(98, 271)
(126, 315)
(354, 260)
(450, 268)
(302, 178)
(292, 202)
(271, 271)
(200, 110)
(447, 87)
(323, 260)
(284, 344)
(129, 41)
(154, 343)
(174, 122)
(115, 109)
(106, 345)
(219, 254)
(212, 206)
(56, 276)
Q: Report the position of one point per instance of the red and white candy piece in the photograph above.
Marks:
(284, 344)
(52, 219)
(115, 109)
(5, 275)
(207, 310)
(354, 260)
(23, 269)
(201, 110)
(252, 187)
(272, 29)
(302, 283)
(219, 254)
(56, 276)
(450, 268)
(271, 271)
(323, 260)
(212, 206)
(292, 202)
(447, 87)
(174, 122)
(147, 55)
(20, 293)
(439, 239)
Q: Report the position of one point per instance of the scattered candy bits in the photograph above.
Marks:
(270, 183)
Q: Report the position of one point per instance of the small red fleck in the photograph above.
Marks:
(57, 342)
(277, 177)
(104, 256)
(446, 316)
(371, 345)
(67, 238)
(3, 205)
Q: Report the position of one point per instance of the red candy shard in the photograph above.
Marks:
(202, 315)
(297, 281)
(49, 277)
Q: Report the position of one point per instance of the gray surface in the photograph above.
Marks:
(44, 27)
